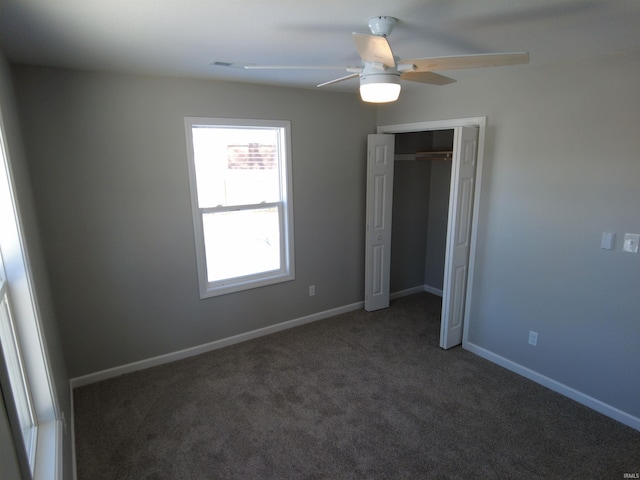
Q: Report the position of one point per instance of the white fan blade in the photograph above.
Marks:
(374, 49)
(346, 77)
(469, 61)
(427, 77)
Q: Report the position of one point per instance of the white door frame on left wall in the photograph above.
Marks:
(481, 123)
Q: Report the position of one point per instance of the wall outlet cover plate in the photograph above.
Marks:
(608, 239)
(631, 241)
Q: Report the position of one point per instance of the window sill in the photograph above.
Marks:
(213, 290)
(49, 451)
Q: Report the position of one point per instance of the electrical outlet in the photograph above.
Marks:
(312, 290)
(533, 338)
(631, 241)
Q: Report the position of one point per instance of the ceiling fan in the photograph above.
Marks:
(382, 71)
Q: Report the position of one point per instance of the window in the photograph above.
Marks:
(25, 379)
(19, 402)
(24, 372)
(240, 177)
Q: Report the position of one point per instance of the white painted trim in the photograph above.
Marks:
(72, 421)
(433, 290)
(434, 125)
(572, 393)
(408, 291)
(48, 463)
(207, 347)
(418, 289)
(286, 272)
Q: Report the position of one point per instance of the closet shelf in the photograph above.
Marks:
(442, 155)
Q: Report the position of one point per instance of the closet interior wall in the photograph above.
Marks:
(420, 211)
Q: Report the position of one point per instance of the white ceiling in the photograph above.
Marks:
(183, 37)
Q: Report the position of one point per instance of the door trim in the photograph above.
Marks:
(481, 123)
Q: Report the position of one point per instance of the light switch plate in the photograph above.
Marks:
(608, 238)
(631, 241)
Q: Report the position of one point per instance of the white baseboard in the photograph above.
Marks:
(225, 342)
(583, 398)
(207, 347)
(435, 291)
(418, 289)
(404, 293)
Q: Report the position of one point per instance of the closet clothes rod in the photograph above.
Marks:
(442, 155)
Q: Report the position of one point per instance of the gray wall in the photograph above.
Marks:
(561, 166)
(108, 159)
(439, 188)
(409, 224)
(33, 246)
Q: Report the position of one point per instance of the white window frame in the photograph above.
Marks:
(42, 457)
(286, 272)
(17, 396)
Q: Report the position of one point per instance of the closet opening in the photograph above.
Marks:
(402, 212)
(421, 190)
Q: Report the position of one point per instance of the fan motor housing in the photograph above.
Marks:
(382, 26)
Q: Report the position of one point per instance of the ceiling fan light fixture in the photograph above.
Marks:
(380, 88)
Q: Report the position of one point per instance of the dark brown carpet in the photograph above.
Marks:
(358, 396)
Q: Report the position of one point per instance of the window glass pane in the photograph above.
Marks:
(236, 165)
(241, 242)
